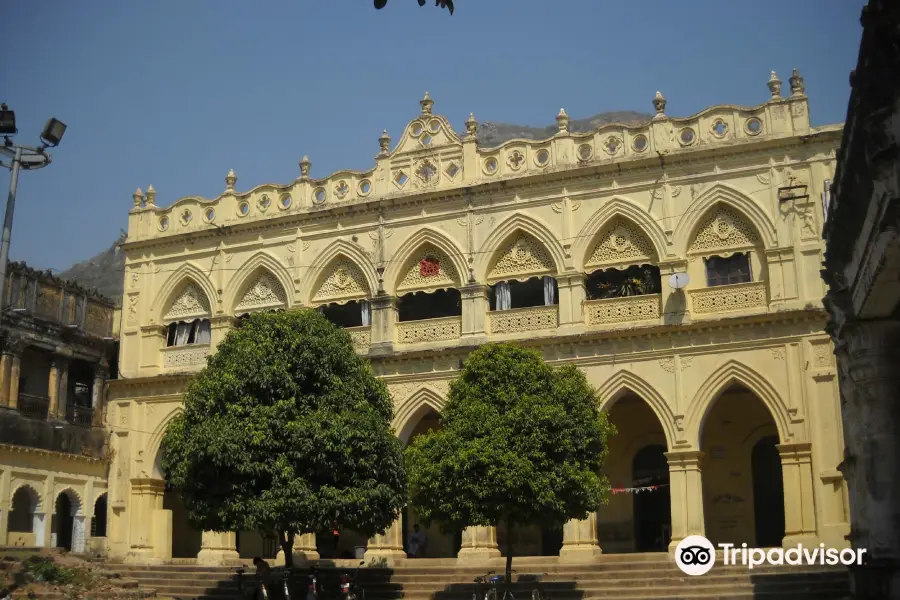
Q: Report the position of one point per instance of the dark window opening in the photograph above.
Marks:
(728, 271)
(351, 314)
(98, 523)
(183, 333)
(434, 305)
(620, 283)
(537, 291)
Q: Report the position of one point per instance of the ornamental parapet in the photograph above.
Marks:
(724, 298)
(185, 358)
(429, 330)
(361, 336)
(623, 310)
(534, 318)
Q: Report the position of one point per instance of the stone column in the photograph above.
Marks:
(580, 540)
(799, 505)
(304, 550)
(686, 487)
(150, 527)
(388, 546)
(571, 300)
(217, 548)
(218, 329)
(478, 544)
(868, 356)
(384, 316)
(97, 393)
(5, 377)
(53, 389)
(14, 375)
(475, 306)
(63, 392)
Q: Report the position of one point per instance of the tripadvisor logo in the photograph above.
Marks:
(696, 555)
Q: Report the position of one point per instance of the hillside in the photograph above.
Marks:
(106, 271)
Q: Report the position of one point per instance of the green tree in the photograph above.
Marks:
(287, 430)
(520, 443)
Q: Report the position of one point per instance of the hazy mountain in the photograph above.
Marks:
(106, 271)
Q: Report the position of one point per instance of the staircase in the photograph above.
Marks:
(622, 577)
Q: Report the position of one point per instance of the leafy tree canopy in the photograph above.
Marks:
(286, 429)
(521, 443)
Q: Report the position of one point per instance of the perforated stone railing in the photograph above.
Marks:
(623, 310)
(725, 298)
(361, 336)
(533, 318)
(429, 330)
(186, 358)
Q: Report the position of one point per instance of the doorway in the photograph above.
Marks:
(768, 492)
(652, 507)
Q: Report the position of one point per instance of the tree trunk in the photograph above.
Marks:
(509, 552)
(286, 539)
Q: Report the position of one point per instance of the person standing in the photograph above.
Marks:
(263, 573)
(417, 542)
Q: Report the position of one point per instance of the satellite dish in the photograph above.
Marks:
(679, 280)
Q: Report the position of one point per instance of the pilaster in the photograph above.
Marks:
(304, 550)
(571, 302)
(388, 546)
(384, 317)
(799, 505)
(479, 543)
(686, 487)
(150, 527)
(217, 548)
(475, 306)
(580, 542)
(53, 389)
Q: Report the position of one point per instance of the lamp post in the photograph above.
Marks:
(23, 157)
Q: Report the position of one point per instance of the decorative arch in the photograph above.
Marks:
(185, 274)
(727, 374)
(155, 441)
(411, 411)
(336, 251)
(503, 233)
(402, 257)
(737, 201)
(618, 208)
(74, 499)
(260, 264)
(625, 381)
(34, 496)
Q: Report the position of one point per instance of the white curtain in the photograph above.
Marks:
(204, 333)
(366, 312)
(549, 291)
(504, 298)
(182, 332)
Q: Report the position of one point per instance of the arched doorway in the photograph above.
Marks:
(651, 500)
(637, 518)
(743, 491)
(98, 522)
(186, 540)
(67, 527)
(768, 492)
(25, 527)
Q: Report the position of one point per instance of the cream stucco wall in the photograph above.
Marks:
(671, 201)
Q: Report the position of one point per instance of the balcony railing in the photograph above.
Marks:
(82, 416)
(533, 318)
(724, 298)
(34, 407)
(361, 336)
(429, 330)
(628, 309)
(190, 357)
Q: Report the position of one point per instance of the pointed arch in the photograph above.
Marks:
(186, 273)
(33, 495)
(734, 372)
(336, 251)
(625, 381)
(501, 234)
(155, 441)
(245, 276)
(411, 411)
(737, 201)
(627, 210)
(74, 500)
(399, 262)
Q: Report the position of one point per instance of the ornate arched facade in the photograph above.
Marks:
(440, 217)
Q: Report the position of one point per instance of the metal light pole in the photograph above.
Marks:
(23, 157)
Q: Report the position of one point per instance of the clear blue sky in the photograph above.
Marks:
(176, 92)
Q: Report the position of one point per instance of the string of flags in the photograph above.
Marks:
(638, 490)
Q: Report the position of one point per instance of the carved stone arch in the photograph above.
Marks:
(412, 409)
(618, 209)
(247, 276)
(505, 235)
(33, 495)
(727, 374)
(407, 255)
(154, 442)
(723, 196)
(625, 381)
(74, 500)
(338, 250)
(187, 274)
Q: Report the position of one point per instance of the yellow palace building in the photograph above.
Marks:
(675, 261)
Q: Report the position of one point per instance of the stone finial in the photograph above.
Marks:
(151, 196)
(426, 103)
(384, 142)
(797, 86)
(471, 125)
(138, 197)
(562, 120)
(774, 85)
(659, 103)
(230, 180)
(305, 164)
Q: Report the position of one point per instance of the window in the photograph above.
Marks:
(619, 283)
(184, 333)
(351, 314)
(537, 291)
(728, 271)
(421, 305)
